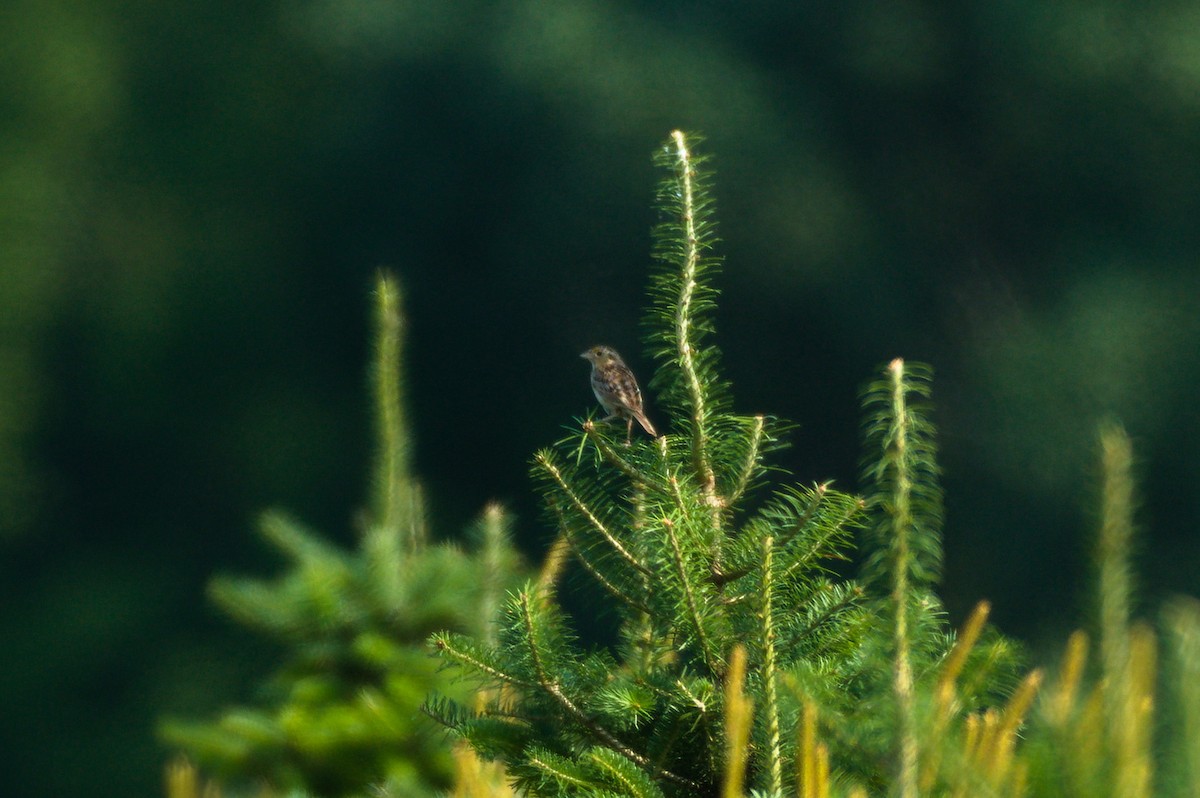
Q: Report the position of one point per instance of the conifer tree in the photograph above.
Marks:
(701, 557)
(341, 717)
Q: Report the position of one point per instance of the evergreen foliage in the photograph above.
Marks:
(744, 657)
(1096, 737)
(701, 558)
(341, 716)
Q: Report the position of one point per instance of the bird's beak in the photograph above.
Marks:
(584, 355)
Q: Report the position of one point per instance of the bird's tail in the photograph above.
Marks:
(646, 425)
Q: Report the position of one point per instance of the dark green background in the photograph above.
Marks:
(194, 198)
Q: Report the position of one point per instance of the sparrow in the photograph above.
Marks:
(616, 388)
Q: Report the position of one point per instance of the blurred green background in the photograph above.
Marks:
(194, 197)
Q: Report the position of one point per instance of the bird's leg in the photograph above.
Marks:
(629, 432)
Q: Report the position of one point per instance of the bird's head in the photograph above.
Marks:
(601, 356)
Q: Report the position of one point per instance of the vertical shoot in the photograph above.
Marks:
(683, 302)
(396, 503)
(1126, 653)
(904, 500)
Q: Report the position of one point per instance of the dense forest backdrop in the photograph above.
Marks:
(194, 198)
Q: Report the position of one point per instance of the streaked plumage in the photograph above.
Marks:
(616, 388)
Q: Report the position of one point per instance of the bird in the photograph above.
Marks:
(616, 388)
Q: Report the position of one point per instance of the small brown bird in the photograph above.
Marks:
(616, 388)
